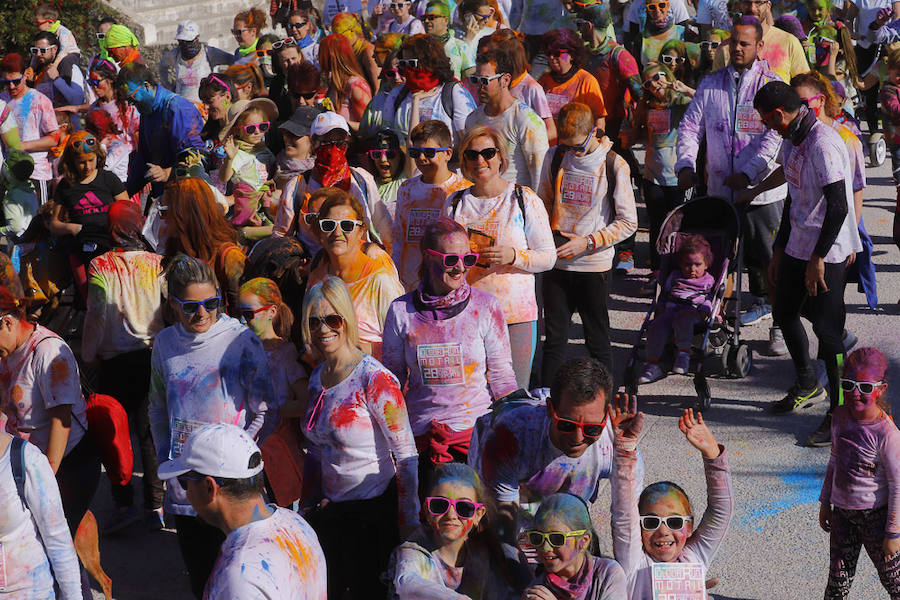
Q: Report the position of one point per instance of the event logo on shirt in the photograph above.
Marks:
(794, 167)
(418, 219)
(441, 364)
(748, 120)
(577, 190)
(678, 581)
(181, 431)
(658, 121)
(90, 204)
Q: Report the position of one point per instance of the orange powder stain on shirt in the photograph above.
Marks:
(59, 370)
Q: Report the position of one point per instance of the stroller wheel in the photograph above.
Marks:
(724, 369)
(740, 360)
(701, 386)
(877, 149)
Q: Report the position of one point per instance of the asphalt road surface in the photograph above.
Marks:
(774, 549)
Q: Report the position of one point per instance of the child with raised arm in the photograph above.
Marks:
(659, 526)
(859, 498)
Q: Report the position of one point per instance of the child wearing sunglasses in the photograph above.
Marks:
(458, 555)
(249, 164)
(859, 499)
(563, 536)
(659, 526)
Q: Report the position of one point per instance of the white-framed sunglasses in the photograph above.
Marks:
(673, 522)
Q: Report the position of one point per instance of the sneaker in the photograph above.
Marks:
(759, 310)
(122, 518)
(652, 373)
(682, 363)
(154, 519)
(649, 288)
(799, 398)
(822, 435)
(626, 262)
(777, 347)
(848, 341)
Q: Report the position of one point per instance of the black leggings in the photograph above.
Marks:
(660, 200)
(126, 378)
(864, 58)
(850, 531)
(199, 544)
(825, 311)
(78, 477)
(357, 538)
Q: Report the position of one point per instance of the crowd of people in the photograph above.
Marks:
(327, 283)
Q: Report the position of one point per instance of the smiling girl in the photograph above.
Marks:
(859, 497)
(659, 526)
(562, 536)
(459, 556)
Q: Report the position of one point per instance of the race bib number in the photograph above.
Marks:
(418, 219)
(678, 581)
(556, 102)
(441, 364)
(577, 190)
(748, 120)
(426, 113)
(181, 431)
(658, 121)
(794, 168)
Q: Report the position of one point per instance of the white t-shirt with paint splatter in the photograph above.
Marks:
(278, 558)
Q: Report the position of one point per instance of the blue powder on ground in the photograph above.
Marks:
(802, 487)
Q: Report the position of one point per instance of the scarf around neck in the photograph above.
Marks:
(576, 588)
(443, 307)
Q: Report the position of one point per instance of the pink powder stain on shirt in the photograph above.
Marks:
(500, 448)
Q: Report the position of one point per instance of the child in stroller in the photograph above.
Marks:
(687, 300)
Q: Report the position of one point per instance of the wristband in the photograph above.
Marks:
(591, 243)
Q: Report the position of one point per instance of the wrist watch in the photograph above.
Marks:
(591, 244)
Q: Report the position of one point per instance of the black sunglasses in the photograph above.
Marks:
(192, 307)
(332, 322)
(485, 153)
(338, 143)
(298, 25)
(304, 95)
(415, 152)
(379, 154)
(11, 81)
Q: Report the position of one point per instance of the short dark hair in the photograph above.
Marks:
(749, 21)
(583, 378)
(433, 129)
(776, 94)
(135, 72)
(109, 20)
(51, 38)
(498, 57)
(245, 489)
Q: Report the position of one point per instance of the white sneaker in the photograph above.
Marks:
(777, 347)
(682, 363)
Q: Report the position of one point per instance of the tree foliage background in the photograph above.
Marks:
(81, 16)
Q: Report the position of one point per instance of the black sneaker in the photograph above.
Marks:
(799, 398)
(822, 435)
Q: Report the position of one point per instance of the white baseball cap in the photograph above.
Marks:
(187, 31)
(216, 450)
(328, 121)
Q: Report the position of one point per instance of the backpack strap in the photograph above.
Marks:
(17, 462)
(297, 201)
(520, 200)
(454, 201)
(447, 97)
(401, 96)
(361, 182)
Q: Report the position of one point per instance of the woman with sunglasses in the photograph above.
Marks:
(373, 282)
(567, 81)
(427, 72)
(360, 478)
(659, 526)
(480, 18)
(81, 203)
(216, 92)
(563, 537)
(508, 226)
(123, 316)
(402, 21)
(347, 87)
(206, 368)
(196, 226)
(305, 28)
(448, 345)
(101, 79)
(674, 55)
(246, 29)
(247, 80)
(459, 555)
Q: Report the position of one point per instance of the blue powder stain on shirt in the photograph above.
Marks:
(803, 487)
(265, 566)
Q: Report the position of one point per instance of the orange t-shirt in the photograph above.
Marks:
(581, 87)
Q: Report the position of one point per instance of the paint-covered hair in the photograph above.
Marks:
(575, 119)
(565, 508)
(822, 85)
(268, 293)
(663, 488)
(870, 358)
(67, 162)
(184, 270)
(568, 40)
(334, 290)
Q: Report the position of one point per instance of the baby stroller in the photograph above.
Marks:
(717, 345)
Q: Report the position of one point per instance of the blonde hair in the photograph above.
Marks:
(335, 292)
(479, 132)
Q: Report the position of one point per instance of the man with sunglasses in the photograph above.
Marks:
(437, 23)
(170, 124)
(636, 17)
(34, 116)
(57, 76)
(659, 28)
(527, 451)
(181, 69)
(781, 50)
(740, 152)
(268, 552)
(817, 234)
